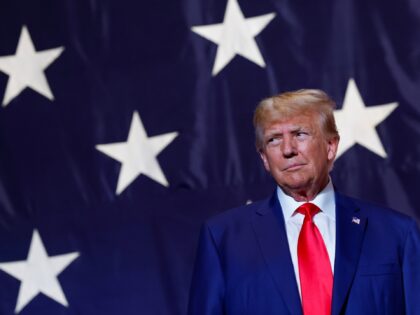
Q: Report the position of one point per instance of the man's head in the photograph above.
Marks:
(297, 139)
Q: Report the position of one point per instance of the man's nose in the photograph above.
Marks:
(289, 147)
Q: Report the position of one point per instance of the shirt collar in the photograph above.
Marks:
(325, 200)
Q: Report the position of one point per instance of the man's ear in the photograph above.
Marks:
(332, 147)
(263, 157)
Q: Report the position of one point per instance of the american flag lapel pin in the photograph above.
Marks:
(355, 220)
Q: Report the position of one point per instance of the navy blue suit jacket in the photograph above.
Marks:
(243, 263)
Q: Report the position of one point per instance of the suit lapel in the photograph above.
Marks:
(350, 229)
(270, 230)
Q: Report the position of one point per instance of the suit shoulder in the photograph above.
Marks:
(381, 212)
(236, 215)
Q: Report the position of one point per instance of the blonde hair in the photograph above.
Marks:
(295, 103)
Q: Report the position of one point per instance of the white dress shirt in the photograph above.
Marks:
(324, 220)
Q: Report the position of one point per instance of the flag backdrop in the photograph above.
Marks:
(125, 124)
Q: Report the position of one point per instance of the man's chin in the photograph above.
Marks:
(296, 186)
(295, 180)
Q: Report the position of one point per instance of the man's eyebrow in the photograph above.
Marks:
(273, 133)
(298, 128)
(301, 128)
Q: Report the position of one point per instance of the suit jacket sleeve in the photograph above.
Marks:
(411, 270)
(207, 286)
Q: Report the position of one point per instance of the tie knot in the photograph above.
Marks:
(308, 210)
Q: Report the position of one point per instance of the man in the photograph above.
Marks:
(308, 249)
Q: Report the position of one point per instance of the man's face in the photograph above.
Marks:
(298, 155)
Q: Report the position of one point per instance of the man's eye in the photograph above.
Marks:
(301, 134)
(273, 141)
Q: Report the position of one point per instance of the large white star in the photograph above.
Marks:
(26, 68)
(138, 154)
(356, 123)
(235, 36)
(38, 274)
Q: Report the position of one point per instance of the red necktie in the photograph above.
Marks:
(316, 279)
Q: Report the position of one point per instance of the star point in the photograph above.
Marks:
(235, 36)
(38, 274)
(138, 155)
(26, 68)
(356, 123)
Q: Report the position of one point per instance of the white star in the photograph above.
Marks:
(356, 123)
(138, 154)
(26, 68)
(235, 36)
(38, 274)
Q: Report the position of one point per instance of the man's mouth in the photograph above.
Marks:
(293, 167)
